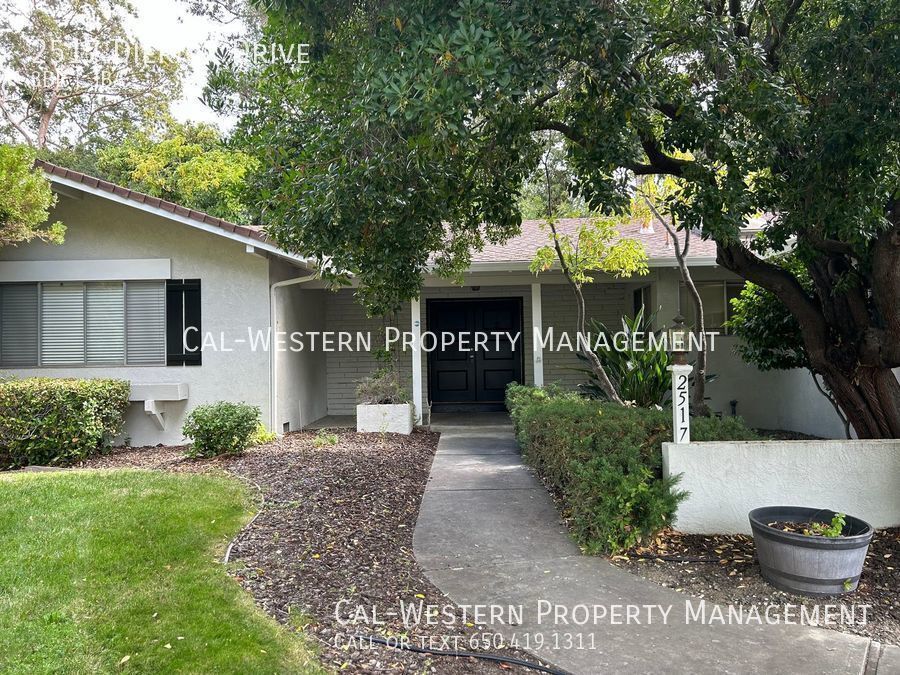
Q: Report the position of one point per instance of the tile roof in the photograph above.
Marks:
(520, 248)
(523, 246)
(141, 198)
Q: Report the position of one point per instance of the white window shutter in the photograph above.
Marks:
(105, 321)
(145, 308)
(62, 324)
(18, 325)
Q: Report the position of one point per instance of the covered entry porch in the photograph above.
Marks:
(318, 388)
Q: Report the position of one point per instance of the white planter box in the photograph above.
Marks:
(392, 418)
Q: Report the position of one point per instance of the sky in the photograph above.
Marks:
(166, 25)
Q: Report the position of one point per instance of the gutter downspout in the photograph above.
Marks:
(273, 370)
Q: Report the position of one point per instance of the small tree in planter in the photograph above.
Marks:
(382, 403)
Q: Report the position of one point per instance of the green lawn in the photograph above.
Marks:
(99, 566)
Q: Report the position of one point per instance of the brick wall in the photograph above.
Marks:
(606, 302)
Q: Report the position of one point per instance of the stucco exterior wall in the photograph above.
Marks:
(727, 480)
(300, 374)
(234, 295)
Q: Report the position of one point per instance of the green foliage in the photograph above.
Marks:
(261, 435)
(50, 421)
(111, 568)
(594, 246)
(188, 164)
(75, 74)
(563, 203)
(832, 530)
(325, 438)
(605, 462)
(639, 375)
(770, 335)
(221, 428)
(25, 200)
(410, 134)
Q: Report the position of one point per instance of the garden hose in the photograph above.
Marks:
(475, 655)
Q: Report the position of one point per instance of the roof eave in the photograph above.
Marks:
(523, 265)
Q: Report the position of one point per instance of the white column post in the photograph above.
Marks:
(681, 413)
(416, 313)
(537, 329)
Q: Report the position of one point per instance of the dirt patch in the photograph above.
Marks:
(337, 527)
(723, 569)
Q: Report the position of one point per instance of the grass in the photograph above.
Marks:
(120, 571)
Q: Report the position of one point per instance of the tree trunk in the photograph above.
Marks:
(596, 367)
(869, 401)
(698, 395)
(864, 387)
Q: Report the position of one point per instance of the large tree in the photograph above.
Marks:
(409, 137)
(73, 74)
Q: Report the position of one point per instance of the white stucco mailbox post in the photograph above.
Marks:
(677, 338)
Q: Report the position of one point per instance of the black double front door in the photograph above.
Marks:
(471, 371)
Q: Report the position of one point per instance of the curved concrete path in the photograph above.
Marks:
(489, 534)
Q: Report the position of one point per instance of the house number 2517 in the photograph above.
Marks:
(681, 413)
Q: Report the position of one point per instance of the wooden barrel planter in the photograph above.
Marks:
(807, 564)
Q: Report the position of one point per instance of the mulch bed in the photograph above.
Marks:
(337, 525)
(723, 569)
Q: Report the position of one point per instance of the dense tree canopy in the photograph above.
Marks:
(73, 74)
(409, 137)
(187, 164)
(25, 200)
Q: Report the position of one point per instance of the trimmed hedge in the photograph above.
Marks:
(50, 421)
(221, 428)
(605, 461)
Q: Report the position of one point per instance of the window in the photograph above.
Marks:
(102, 323)
(640, 300)
(716, 297)
(18, 325)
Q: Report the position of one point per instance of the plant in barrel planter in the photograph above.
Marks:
(810, 551)
(383, 406)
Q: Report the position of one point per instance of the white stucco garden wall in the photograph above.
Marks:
(728, 479)
(234, 295)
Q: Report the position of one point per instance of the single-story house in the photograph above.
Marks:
(136, 274)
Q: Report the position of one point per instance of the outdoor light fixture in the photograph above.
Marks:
(677, 341)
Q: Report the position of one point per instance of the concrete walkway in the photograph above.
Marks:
(489, 534)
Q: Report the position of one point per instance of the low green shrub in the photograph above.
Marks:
(605, 461)
(52, 421)
(221, 428)
(325, 438)
(261, 435)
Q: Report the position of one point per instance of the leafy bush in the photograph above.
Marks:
(605, 462)
(639, 375)
(261, 435)
(59, 421)
(221, 428)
